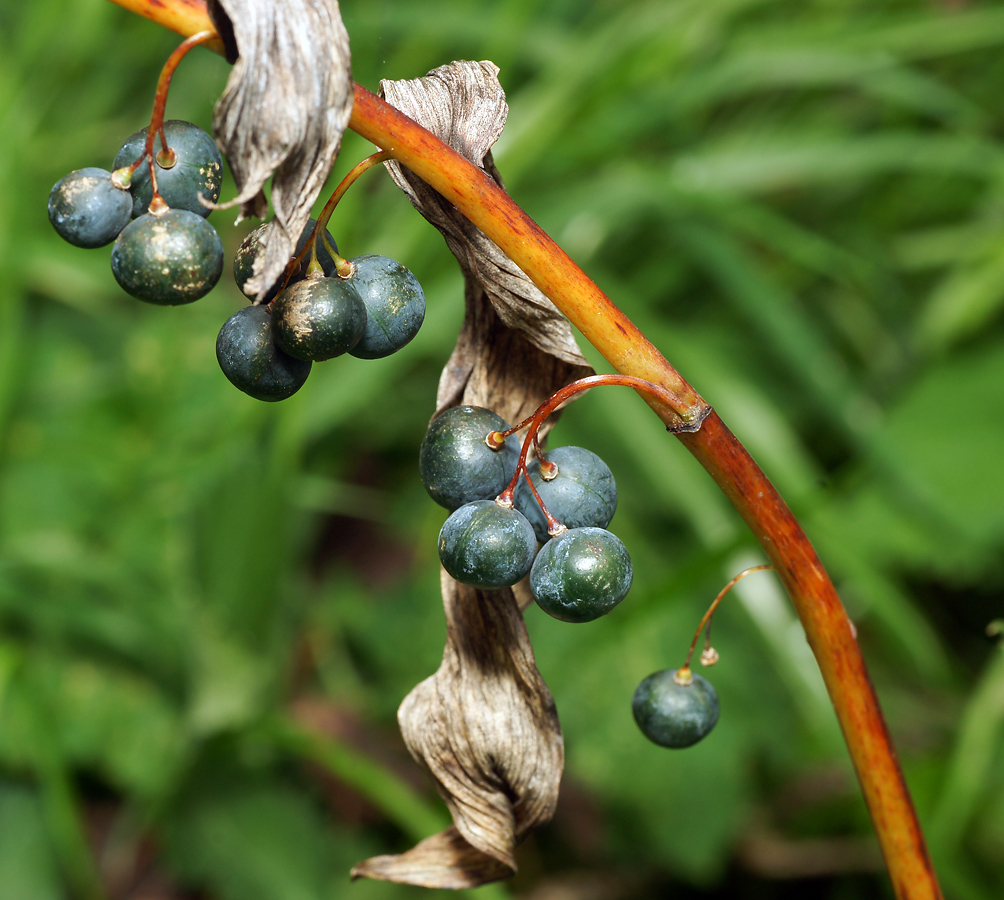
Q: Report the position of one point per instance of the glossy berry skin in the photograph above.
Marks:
(250, 247)
(199, 168)
(674, 715)
(487, 546)
(168, 260)
(87, 210)
(395, 305)
(581, 574)
(583, 492)
(250, 359)
(318, 318)
(456, 464)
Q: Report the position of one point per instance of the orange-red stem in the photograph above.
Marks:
(829, 630)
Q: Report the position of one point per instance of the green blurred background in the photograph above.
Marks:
(211, 607)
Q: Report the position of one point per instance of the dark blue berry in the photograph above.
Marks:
(318, 318)
(168, 260)
(581, 574)
(456, 464)
(198, 168)
(87, 209)
(250, 247)
(674, 715)
(487, 546)
(395, 305)
(583, 492)
(250, 359)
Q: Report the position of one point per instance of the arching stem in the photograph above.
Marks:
(829, 631)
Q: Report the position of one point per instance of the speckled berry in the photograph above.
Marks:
(318, 318)
(250, 247)
(581, 574)
(486, 546)
(395, 305)
(198, 168)
(674, 715)
(582, 493)
(250, 359)
(456, 464)
(168, 260)
(87, 210)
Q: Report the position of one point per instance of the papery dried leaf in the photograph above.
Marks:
(486, 728)
(464, 105)
(444, 860)
(283, 113)
(484, 725)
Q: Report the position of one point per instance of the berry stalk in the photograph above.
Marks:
(344, 267)
(709, 657)
(496, 439)
(828, 628)
(166, 158)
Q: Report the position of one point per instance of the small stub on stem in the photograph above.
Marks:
(122, 178)
(683, 676)
(548, 470)
(167, 158)
(158, 207)
(495, 440)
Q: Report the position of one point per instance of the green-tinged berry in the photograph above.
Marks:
(250, 359)
(318, 318)
(456, 464)
(487, 546)
(581, 574)
(672, 714)
(87, 210)
(395, 305)
(250, 247)
(583, 492)
(168, 260)
(197, 169)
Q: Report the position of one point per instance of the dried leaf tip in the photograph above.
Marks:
(464, 105)
(283, 112)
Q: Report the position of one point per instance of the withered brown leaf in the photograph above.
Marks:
(283, 113)
(464, 105)
(484, 725)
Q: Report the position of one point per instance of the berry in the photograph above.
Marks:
(583, 492)
(581, 574)
(250, 247)
(486, 545)
(170, 259)
(672, 714)
(198, 168)
(318, 318)
(395, 305)
(87, 209)
(250, 359)
(456, 464)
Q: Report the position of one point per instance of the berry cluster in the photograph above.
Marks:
(581, 572)
(167, 253)
(368, 306)
(548, 518)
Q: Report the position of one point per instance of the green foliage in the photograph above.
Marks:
(800, 203)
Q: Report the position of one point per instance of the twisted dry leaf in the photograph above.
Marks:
(283, 113)
(464, 105)
(486, 728)
(484, 725)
